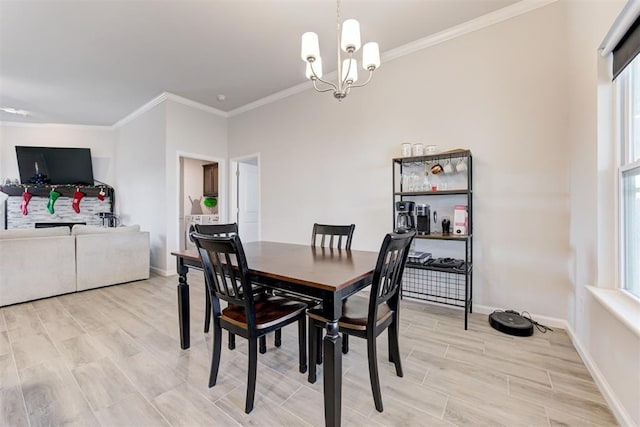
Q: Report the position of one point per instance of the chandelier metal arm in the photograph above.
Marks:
(365, 83)
(315, 86)
(333, 86)
(346, 75)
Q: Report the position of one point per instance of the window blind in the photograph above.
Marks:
(627, 48)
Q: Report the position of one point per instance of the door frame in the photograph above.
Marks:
(233, 188)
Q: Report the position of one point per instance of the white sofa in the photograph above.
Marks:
(43, 262)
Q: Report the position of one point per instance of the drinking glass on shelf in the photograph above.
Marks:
(414, 186)
(404, 181)
(426, 185)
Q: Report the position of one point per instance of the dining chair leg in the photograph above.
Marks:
(207, 310)
(319, 345)
(263, 344)
(278, 340)
(215, 357)
(394, 348)
(302, 344)
(232, 341)
(251, 374)
(345, 343)
(373, 373)
(313, 351)
(390, 343)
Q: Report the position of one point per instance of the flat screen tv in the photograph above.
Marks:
(60, 166)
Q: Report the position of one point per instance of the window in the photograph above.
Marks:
(629, 176)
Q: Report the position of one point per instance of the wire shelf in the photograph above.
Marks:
(436, 286)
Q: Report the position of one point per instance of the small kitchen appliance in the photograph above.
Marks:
(109, 219)
(423, 219)
(405, 221)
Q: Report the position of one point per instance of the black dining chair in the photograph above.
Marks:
(215, 230)
(247, 315)
(226, 230)
(368, 319)
(332, 236)
(335, 233)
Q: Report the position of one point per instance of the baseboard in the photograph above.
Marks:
(553, 322)
(621, 414)
(161, 272)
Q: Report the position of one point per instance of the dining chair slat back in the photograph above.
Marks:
(227, 230)
(225, 266)
(335, 233)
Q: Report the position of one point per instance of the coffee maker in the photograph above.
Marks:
(423, 219)
(405, 221)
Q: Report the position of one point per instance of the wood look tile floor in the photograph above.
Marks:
(111, 357)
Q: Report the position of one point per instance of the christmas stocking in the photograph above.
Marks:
(26, 197)
(77, 196)
(53, 196)
(101, 194)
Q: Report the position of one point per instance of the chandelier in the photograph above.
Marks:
(349, 42)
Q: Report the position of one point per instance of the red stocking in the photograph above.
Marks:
(26, 196)
(101, 195)
(77, 196)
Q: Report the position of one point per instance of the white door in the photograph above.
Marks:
(247, 199)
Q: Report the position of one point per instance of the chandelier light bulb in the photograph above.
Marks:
(350, 36)
(310, 46)
(370, 56)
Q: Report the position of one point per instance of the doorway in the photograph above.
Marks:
(196, 199)
(245, 196)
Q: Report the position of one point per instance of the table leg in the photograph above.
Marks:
(183, 304)
(333, 369)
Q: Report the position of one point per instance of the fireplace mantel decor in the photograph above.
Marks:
(97, 199)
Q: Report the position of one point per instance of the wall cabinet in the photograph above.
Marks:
(443, 183)
(210, 180)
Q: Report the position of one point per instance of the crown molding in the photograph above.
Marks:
(194, 104)
(54, 125)
(168, 96)
(140, 110)
(484, 21)
(301, 87)
(476, 24)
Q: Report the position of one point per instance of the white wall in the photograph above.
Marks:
(100, 139)
(195, 133)
(613, 348)
(141, 196)
(500, 92)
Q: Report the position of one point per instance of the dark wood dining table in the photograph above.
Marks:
(330, 275)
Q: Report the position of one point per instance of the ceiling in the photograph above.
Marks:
(94, 62)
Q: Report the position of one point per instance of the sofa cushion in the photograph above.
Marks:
(79, 229)
(25, 233)
(36, 268)
(110, 258)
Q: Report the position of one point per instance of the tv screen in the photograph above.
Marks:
(60, 165)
